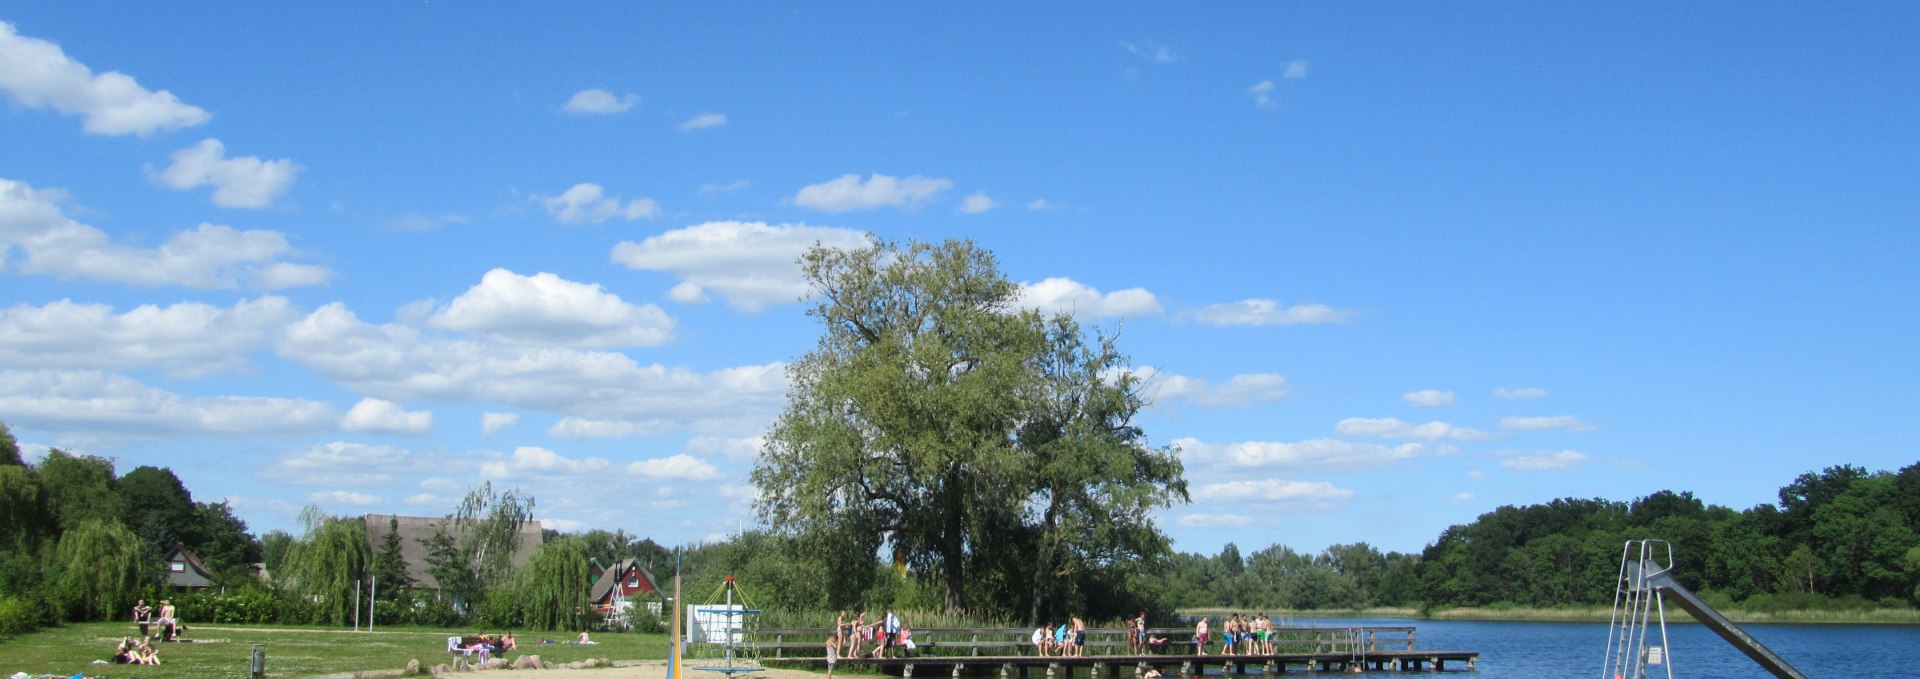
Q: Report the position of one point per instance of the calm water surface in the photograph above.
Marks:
(1531, 650)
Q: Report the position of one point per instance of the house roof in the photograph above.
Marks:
(193, 574)
(415, 530)
(604, 585)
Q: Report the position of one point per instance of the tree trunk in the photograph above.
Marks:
(953, 542)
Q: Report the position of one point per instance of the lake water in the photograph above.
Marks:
(1536, 650)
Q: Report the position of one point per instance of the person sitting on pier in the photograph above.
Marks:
(1060, 639)
(906, 642)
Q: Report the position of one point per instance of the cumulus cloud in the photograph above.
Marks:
(342, 464)
(414, 221)
(1239, 390)
(1545, 461)
(849, 193)
(1039, 204)
(1563, 422)
(343, 497)
(532, 460)
(703, 121)
(1204, 520)
(976, 203)
(1272, 490)
(1429, 398)
(376, 415)
(1263, 94)
(396, 362)
(94, 403)
(188, 339)
(209, 256)
(585, 204)
(1317, 454)
(1520, 392)
(751, 264)
(1259, 312)
(1295, 70)
(547, 310)
(35, 73)
(492, 423)
(682, 466)
(1395, 428)
(1065, 295)
(599, 102)
(734, 449)
(244, 181)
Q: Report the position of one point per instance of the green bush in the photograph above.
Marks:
(19, 615)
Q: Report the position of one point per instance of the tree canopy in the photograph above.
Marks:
(981, 445)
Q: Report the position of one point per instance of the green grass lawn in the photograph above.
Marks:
(221, 652)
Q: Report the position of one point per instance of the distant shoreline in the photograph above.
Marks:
(1877, 616)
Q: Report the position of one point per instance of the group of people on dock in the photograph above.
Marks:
(1069, 640)
(887, 634)
(1251, 635)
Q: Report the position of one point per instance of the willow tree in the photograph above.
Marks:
(551, 590)
(101, 569)
(929, 424)
(327, 562)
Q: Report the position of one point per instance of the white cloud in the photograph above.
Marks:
(1429, 398)
(37, 74)
(704, 121)
(1296, 69)
(1476, 474)
(532, 460)
(1065, 295)
(733, 449)
(1463, 496)
(1520, 392)
(849, 193)
(1395, 428)
(90, 403)
(1039, 204)
(547, 310)
(1239, 390)
(600, 102)
(342, 464)
(376, 415)
(1263, 94)
(976, 203)
(1316, 454)
(440, 484)
(396, 362)
(1545, 461)
(688, 293)
(209, 256)
(1272, 490)
(343, 497)
(1159, 54)
(685, 467)
(243, 181)
(1565, 422)
(751, 264)
(187, 339)
(1202, 520)
(492, 423)
(1268, 312)
(585, 204)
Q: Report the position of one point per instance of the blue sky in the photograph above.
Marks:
(1390, 266)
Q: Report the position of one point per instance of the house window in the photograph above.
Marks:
(633, 582)
(178, 566)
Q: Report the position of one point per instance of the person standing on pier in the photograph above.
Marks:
(1079, 637)
(1200, 636)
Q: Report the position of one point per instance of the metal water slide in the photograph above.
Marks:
(1646, 584)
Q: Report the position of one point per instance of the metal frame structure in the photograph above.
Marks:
(1645, 585)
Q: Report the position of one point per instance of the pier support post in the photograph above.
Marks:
(906, 670)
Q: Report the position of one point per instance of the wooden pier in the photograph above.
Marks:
(1008, 654)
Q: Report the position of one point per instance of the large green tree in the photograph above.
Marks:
(101, 569)
(938, 421)
(79, 488)
(327, 563)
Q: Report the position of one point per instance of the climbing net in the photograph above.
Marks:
(721, 632)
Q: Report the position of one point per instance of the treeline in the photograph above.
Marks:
(1840, 538)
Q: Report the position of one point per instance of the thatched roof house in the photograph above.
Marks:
(415, 530)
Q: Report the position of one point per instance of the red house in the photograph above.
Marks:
(615, 589)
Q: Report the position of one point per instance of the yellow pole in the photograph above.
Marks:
(673, 663)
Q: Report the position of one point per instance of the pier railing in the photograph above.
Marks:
(804, 642)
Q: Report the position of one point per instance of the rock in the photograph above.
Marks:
(413, 668)
(591, 663)
(576, 665)
(441, 668)
(525, 662)
(460, 665)
(494, 664)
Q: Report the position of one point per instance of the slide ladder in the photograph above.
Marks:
(1645, 585)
